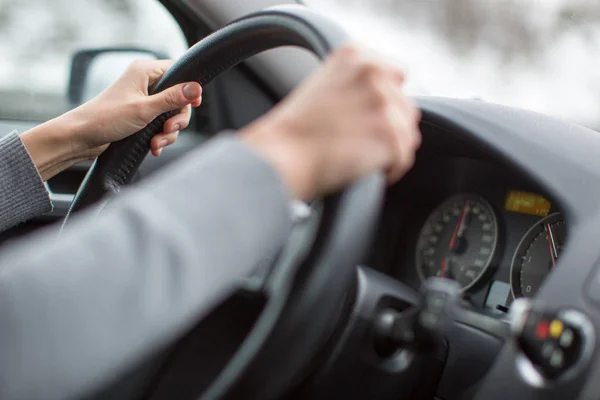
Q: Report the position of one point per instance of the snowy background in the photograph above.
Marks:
(542, 55)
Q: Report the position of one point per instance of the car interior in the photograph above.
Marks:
(474, 277)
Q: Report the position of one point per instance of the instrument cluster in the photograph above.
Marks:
(489, 229)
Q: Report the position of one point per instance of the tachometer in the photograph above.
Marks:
(458, 240)
(537, 255)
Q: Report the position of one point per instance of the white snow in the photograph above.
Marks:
(563, 81)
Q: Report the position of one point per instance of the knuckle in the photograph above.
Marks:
(379, 102)
(368, 69)
(171, 99)
(417, 113)
(377, 94)
(408, 159)
(381, 107)
(172, 138)
(417, 138)
(138, 65)
(184, 124)
(348, 51)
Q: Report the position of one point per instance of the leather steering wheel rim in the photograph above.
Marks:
(306, 288)
(213, 55)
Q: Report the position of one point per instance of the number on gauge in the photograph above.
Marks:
(458, 240)
(536, 255)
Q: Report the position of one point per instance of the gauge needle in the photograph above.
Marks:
(551, 244)
(459, 230)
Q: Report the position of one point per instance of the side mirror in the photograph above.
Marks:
(93, 70)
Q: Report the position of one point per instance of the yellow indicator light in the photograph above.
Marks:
(556, 328)
(527, 203)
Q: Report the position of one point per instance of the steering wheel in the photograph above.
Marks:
(307, 286)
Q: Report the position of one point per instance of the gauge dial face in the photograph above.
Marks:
(537, 255)
(458, 240)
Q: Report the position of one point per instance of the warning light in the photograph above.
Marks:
(541, 330)
(527, 203)
(556, 328)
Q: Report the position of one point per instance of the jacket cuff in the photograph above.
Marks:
(23, 194)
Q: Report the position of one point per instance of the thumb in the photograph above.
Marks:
(175, 98)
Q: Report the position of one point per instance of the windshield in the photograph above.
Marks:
(539, 55)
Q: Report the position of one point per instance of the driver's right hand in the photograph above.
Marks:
(348, 119)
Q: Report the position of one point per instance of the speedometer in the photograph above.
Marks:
(536, 255)
(458, 240)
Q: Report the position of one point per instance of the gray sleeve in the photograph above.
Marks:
(23, 195)
(77, 312)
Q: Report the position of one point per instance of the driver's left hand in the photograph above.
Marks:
(125, 107)
(121, 110)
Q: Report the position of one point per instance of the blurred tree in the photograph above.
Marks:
(126, 7)
(512, 28)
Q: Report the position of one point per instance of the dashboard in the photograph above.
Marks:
(474, 221)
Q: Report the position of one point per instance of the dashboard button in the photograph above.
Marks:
(557, 359)
(548, 350)
(556, 328)
(541, 330)
(566, 339)
(554, 342)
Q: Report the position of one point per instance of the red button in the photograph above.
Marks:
(541, 331)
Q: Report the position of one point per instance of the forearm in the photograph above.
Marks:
(54, 145)
(77, 312)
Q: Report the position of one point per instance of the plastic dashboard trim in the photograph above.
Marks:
(562, 157)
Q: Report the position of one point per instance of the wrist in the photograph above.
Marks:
(53, 145)
(276, 143)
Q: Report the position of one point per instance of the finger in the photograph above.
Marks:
(408, 108)
(389, 88)
(398, 116)
(178, 122)
(157, 68)
(196, 103)
(162, 140)
(406, 139)
(174, 98)
(387, 65)
(395, 72)
(147, 72)
(405, 150)
(375, 61)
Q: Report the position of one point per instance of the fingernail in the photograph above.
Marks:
(158, 152)
(175, 128)
(162, 144)
(190, 91)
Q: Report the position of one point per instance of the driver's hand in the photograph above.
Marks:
(125, 107)
(348, 119)
(120, 111)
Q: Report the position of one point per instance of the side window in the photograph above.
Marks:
(38, 39)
